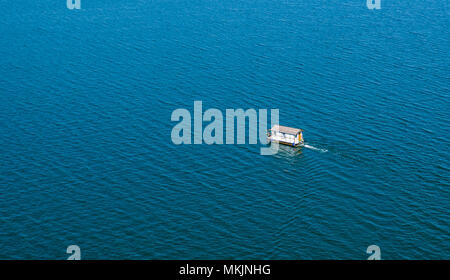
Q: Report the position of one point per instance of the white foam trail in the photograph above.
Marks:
(314, 148)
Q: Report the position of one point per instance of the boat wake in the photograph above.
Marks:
(315, 149)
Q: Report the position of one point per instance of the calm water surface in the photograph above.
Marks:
(86, 156)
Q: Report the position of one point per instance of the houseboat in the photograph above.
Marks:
(286, 135)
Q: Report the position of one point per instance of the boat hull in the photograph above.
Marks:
(286, 143)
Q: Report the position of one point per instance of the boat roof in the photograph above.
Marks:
(285, 129)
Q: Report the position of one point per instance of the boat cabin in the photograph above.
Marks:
(286, 135)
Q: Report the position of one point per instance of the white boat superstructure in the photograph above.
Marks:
(286, 135)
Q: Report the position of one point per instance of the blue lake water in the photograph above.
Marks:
(86, 156)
